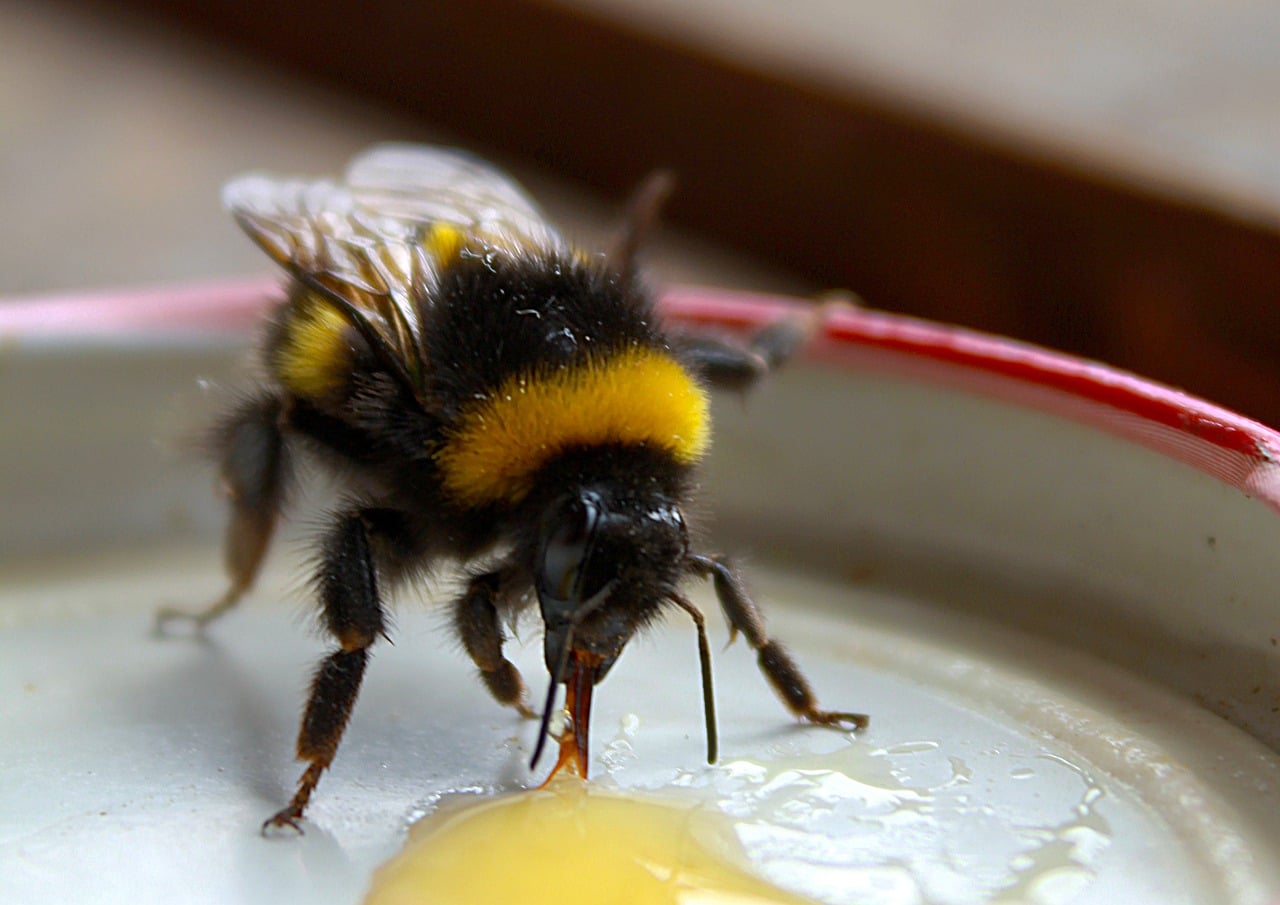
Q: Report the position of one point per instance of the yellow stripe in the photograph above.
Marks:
(444, 242)
(640, 397)
(314, 356)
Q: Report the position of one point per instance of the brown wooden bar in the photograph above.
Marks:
(846, 188)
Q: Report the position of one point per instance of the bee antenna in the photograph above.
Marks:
(708, 692)
(641, 214)
(544, 728)
(377, 342)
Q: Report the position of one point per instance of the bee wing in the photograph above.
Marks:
(362, 237)
(412, 187)
(318, 230)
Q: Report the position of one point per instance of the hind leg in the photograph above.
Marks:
(729, 365)
(255, 470)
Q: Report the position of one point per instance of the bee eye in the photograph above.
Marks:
(567, 539)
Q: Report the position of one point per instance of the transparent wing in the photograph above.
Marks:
(362, 237)
(414, 186)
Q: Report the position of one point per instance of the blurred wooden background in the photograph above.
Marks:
(1102, 178)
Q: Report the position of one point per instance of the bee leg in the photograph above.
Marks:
(733, 366)
(775, 662)
(353, 614)
(639, 219)
(476, 619)
(255, 468)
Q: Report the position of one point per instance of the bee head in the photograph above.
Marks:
(605, 562)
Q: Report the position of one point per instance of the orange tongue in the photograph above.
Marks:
(574, 747)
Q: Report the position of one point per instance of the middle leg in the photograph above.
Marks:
(352, 613)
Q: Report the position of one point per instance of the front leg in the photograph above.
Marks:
(476, 618)
(353, 614)
(777, 665)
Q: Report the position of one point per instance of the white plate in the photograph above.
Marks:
(1064, 632)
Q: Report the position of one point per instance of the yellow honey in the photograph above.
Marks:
(569, 844)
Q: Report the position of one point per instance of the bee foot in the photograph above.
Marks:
(838, 720)
(275, 827)
(169, 618)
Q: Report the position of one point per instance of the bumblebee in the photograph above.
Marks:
(491, 396)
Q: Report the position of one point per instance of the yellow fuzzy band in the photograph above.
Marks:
(314, 355)
(444, 242)
(637, 397)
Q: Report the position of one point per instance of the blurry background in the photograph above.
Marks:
(1100, 177)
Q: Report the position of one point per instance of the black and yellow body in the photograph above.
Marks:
(490, 397)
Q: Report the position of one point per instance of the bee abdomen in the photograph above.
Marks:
(312, 353)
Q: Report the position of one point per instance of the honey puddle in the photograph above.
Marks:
(570, 844)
